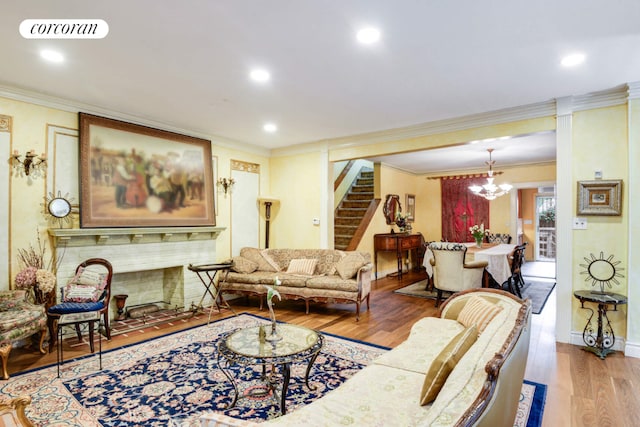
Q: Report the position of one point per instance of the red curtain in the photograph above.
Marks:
(462, 209)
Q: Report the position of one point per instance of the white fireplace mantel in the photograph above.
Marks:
(149, 264)
(73, 237)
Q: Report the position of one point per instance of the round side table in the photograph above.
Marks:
(599, 341)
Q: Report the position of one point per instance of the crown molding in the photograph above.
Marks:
(75, 107)
(506, 115)
(606, 98)
(633, 90)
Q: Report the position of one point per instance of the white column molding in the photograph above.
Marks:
(5, 201)
(632, 347)
(564, 198)
(326, 200)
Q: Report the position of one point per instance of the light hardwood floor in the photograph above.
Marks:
(582, 389)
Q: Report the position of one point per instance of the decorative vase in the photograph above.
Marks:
(272, 335)
(479, 242)
(120, 303)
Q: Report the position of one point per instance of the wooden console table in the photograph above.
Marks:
(398, 243)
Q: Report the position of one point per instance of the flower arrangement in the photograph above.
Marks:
(401, 220)
(35, 277)
(478, 232)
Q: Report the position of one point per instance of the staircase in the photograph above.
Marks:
(352, 209)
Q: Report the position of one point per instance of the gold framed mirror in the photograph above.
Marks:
(392, 207)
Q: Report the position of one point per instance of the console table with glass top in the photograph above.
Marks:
(599, 341)
(248, 346)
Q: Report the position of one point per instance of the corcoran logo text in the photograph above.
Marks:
(64, 29)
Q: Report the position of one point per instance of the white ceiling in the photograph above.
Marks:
(185, 64)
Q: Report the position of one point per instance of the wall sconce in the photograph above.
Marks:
(32, 164)
(226, 184)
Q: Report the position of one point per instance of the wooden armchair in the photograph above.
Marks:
(12, 412)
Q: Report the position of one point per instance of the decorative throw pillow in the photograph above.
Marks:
(444, 363)
(89, 277)
(348, 266)
(81, 293)
(269, 260)
(86, 286)
(243, 265)
(255, 255)
(478, 311)
(302, 266)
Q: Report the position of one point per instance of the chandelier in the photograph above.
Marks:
(489, 190)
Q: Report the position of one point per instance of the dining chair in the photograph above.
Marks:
(499, 238)
(87, 292)
(515, 282)
(450, 271)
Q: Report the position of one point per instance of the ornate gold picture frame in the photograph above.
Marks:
(136, 176)
(600, 197)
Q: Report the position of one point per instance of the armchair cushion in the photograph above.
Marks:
(76, 307)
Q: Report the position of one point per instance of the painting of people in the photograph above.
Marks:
(136, 176)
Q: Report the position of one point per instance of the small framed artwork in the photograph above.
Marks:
(136, 176)
(410, 203)
(600, 197)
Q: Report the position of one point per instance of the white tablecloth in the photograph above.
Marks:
(496, 256)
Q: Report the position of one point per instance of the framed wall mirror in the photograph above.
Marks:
(391, 208)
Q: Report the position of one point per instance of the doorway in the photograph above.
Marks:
(545, 227)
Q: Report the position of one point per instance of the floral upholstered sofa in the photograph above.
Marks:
(19, 319)
(464, 368)
(319, 275)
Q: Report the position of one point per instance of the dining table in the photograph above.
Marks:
(497, 256)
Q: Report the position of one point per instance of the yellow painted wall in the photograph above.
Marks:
(528, 210)
(392, 181)
(29, 127)
(600, 142)
(295, 180)
(26, 220)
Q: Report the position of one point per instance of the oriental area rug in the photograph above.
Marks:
(175, 377)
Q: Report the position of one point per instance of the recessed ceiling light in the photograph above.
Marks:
(368, 35)
(52, 55)
(573, 60)
(270, 127)
(260, 75)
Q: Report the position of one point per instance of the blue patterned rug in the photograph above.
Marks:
(139, 385)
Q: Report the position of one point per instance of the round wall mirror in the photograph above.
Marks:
(391, 208)
(59, 207)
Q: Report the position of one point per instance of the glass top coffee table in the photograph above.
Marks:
(248, 346)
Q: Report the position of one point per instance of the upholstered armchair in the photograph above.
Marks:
(450, 272)
(498, 238)
(19, 319)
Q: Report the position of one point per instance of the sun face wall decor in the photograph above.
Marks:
(601, 272)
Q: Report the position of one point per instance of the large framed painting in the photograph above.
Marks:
(137, 176)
